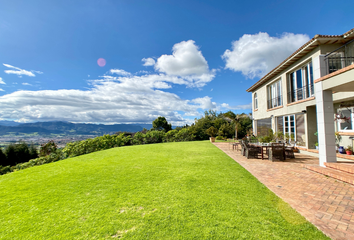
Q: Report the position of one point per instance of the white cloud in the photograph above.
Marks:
(119, 72)
(237, 107)
(185, 60)
(121, 100)
(186, 63)
(205, 103)
(26, 84)
(20, 72)
(122, 97)
(255, 55)
(2, 81)
(148, 61)
(2, 90)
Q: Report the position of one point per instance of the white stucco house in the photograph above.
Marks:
(303, 95)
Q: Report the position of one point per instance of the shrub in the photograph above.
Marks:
(90, 145)
(154, 136)
(219, 138)
(170, 136)
(138, 138)
(212, 131)
(47, 148)
(184, 134)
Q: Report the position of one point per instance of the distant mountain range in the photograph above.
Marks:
(47, 128)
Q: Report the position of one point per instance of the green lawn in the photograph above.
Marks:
(189, 190)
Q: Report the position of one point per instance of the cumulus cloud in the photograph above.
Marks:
(237, 107)
(119, 72)
(148, 61)
(255, 55)
(205, 103)
(187, 63)
(186, 59)
(2, 81)
(20, 72)
(122, 100)
(120, 96)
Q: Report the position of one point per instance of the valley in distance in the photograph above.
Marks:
(58, 131)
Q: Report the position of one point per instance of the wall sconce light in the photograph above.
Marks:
(271, 116)
(304, 111)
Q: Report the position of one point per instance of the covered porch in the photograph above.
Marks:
(328, 89)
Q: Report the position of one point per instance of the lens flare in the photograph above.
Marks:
(101, 62)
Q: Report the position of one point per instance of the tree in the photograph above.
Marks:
(225, 130)
(211, 131)
(47, 148)
(237, 120)
(3, 158)
(160, 124)
(17, 153)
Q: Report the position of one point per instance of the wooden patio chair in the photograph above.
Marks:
(289, 150)
(251, 151)
(277, 151)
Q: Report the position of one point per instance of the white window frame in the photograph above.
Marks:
(274, 91)
(351, 109)
(306, 79)
(255, 98)
(289, 125)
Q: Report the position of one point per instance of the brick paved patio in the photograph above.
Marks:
(325, 202)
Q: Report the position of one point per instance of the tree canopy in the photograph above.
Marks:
(160, 124)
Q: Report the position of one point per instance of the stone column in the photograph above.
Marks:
(325, 124)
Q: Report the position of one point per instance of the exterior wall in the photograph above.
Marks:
(287, 108)
(346, 80)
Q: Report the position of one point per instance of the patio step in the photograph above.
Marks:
(334, 173)
(345, 167)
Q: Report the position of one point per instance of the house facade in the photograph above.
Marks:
(304, 95)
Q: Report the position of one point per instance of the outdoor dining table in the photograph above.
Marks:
(264, 151)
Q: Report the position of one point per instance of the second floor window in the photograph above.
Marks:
(255, 101)
(301, 83)
(274, 95)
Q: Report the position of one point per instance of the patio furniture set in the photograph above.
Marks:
(271, 151)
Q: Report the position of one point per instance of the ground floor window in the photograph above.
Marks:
(289, 126)
(263, 126)
(293, 126)
(344, 119)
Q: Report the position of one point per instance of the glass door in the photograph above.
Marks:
(289, 126)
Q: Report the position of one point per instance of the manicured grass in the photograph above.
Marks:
(189, 190)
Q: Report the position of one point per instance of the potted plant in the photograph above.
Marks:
(338, 139)
(349, 150)
(212, 131)
(316, 145)
(287, 137)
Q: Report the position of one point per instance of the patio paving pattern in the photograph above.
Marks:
(325, 202)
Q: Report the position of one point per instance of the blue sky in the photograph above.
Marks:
(170, 58)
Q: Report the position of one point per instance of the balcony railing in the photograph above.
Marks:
(301, 93)
(275, 102)
(336, 63)
(340, 58)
